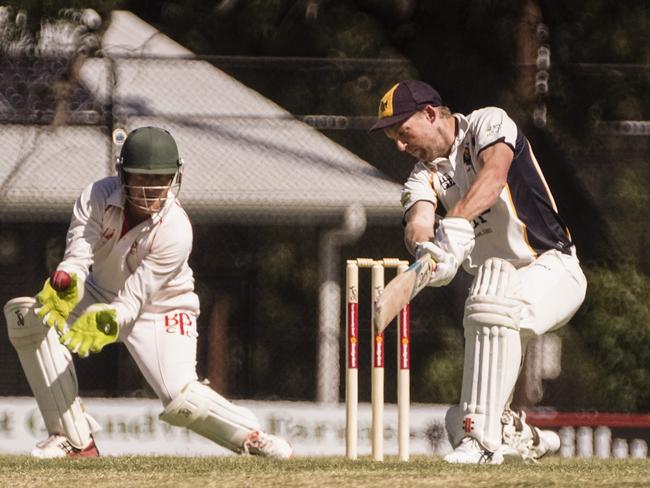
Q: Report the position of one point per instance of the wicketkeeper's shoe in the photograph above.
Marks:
(469, 451)
(58, 446)
(260, 443)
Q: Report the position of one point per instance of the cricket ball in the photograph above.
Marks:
(60, 280)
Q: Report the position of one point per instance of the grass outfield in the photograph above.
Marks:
(159, 472)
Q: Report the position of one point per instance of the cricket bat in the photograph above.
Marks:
(401, 290)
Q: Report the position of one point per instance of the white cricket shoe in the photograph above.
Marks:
(58, 446)
(548, 442)
(260, 443)
(524, 441)
(469, 451)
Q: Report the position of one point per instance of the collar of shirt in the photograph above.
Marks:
(463, 125)
(116, 199)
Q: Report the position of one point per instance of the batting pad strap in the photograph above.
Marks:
(202, 410)
(50, 372)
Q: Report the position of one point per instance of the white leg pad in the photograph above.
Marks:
(50, 372)
(202, 410)
(492, 351)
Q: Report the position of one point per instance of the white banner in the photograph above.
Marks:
(131, 426)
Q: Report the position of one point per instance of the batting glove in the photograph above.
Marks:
(94, 329)
(446, 263)
(455, 235)
(60, 294)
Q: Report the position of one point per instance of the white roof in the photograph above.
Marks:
(43, 169)
(246, 158)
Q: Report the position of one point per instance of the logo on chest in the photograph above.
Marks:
(446, 181)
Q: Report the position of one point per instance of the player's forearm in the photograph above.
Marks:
(495, 163)
(420, 220)
(480, 197)
(77, 259)
(411, 239)
(83, 234)
(417, 231)
(484, 192)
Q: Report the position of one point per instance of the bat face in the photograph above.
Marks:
(401, 290)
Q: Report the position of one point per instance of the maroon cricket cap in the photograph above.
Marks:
(403, 100)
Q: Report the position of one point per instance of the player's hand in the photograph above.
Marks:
(94, 329)
(455, 235)
(446, 263)
(60, 294)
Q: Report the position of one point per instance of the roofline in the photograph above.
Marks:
(230, 214)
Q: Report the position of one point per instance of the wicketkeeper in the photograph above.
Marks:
(125, 278)
(501, 224)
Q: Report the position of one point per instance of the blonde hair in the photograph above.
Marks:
(445, 112)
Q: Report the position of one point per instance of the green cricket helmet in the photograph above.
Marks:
(150, 151)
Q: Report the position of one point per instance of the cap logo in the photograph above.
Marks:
(386, 104)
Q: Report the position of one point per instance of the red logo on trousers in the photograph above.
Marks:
(180, 323)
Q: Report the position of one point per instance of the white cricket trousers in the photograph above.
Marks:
(554, 287)
(164, 348)
(163, 345)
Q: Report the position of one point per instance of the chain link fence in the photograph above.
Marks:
(264, 178)
(260, 183)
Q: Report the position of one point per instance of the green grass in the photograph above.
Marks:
(160, 472)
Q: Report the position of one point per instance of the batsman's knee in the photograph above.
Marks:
(495, 297)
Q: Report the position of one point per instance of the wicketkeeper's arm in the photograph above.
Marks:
(84, 232)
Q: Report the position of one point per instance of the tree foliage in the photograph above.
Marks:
(614, 324)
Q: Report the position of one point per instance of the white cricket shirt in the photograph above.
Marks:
(523, 222)
(146, 269)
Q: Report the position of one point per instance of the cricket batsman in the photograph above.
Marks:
(502, 225)
(125, 278)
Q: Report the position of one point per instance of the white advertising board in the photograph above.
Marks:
(131, 426)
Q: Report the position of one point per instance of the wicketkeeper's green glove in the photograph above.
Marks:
(93, 330)
(59, 296)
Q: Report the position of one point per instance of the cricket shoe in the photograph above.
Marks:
(469, 451)
(58, 446)
(260, 443)
(548, 442)
(524, 441)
